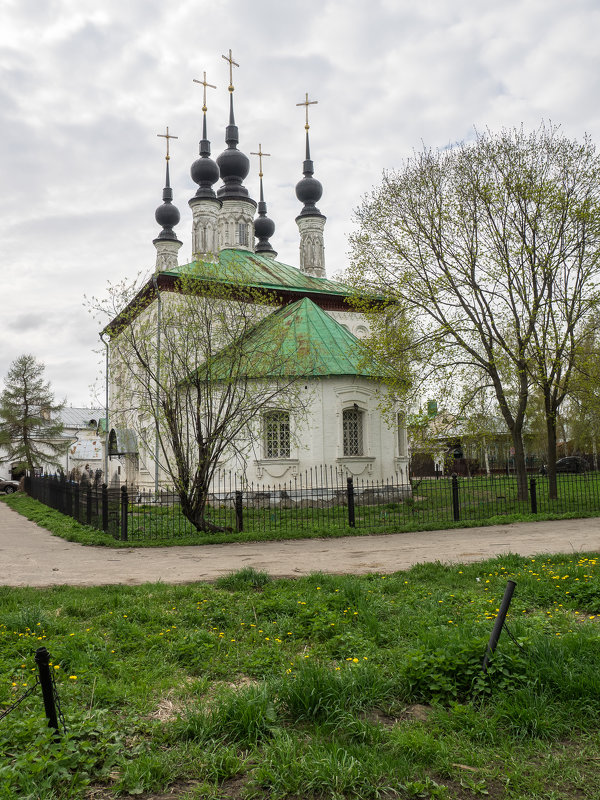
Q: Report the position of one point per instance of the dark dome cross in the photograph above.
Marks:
(307, 103)
(232, 64)
(167, 136)
(205, 84)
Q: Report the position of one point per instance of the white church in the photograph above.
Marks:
(342, 425)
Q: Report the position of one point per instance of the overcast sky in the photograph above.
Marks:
(86, 85)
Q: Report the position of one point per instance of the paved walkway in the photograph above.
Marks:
(31, 556)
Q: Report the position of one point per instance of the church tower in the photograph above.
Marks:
(310, 221)
(167, 244)
(235, 221)
(204, 204)
(264, 227)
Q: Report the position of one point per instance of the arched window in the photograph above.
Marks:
(352, 421)
(242, 234)
(277, 434)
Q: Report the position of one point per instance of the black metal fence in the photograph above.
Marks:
(318, 500)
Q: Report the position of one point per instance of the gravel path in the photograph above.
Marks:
(31, 556)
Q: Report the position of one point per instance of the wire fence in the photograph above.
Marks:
(319, 500)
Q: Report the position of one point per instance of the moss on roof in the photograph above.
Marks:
(298, 340)
(251, 269)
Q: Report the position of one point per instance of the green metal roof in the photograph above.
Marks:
(251, 269)
(298, 340)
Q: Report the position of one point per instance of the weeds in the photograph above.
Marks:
(309, 688)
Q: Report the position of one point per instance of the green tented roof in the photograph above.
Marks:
(298, 340)
(251, 269)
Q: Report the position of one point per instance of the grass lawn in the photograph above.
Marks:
(323, 687)
(483, 502)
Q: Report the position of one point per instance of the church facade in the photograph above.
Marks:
(306, 334)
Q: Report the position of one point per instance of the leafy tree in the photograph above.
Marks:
(197, 370)
(491, 249)
(29, 429)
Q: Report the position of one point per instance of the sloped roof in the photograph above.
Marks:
(252, 269)
(298, 340)
(79, 417)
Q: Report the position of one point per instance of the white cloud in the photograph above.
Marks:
(85, 87)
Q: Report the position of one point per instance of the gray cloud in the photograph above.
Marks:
(85, 87)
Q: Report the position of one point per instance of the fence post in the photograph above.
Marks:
(88, 505)
(76, 502)
(105, 508)
(42, 659)
(351, 514)
(455, 498)
(239, 512)
(498, 624)
(124, 505)
(533, 495)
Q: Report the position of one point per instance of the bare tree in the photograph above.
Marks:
(491, 248)
(195, 362)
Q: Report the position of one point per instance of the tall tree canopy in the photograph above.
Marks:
(29, 429)
(491, 248)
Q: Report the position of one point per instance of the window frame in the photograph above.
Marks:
(276, 440)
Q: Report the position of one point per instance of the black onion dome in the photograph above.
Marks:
(167, 214)
(264, 227)
(204, 170)
(309, 190)
(234, 165)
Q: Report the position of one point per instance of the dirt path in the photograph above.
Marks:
(30, 556)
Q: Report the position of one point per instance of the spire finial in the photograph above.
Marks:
(264, 227)
(232, 64)
(260, 155)
(167, 215)
(307, 103)
(167, 136)
(204, 84)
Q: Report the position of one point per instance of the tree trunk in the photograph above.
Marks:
(551, 434)
(486, 457)
(194, 510)
(520, 467)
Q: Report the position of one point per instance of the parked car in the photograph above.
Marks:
(568, 464)
(8, 486)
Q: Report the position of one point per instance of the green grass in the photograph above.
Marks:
(482, 502)
(324, 687)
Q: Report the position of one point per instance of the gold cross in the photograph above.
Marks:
(205, 84)
(232, 64)
(260, 155)
(167, 136)
(307, 103)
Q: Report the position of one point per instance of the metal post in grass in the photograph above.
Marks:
(88, 504)
(498, 624)
(124, 506)
(455, 498)
(42, 659)
(239, 512)
(351, 512)
(105, 508)
(76, 502)
(533, 495)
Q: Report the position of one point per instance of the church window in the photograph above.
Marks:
(277, 434)
(242, 234)
(353, 432)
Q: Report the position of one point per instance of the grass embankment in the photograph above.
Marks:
(158, 531)
(325, 687)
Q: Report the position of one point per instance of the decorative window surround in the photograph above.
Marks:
(277, 467)
(356, 465)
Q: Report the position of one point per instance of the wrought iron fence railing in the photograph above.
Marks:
(316, 501)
